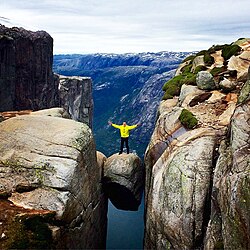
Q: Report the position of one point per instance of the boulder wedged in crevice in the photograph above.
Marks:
(120, 196)
(123, 179)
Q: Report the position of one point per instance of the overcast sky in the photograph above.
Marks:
(120, 26)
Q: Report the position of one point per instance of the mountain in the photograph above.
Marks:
(124, 85)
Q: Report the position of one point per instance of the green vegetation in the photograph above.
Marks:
(188, 79)
(215, 48)
(230, 50)
(217, 70)
(201, 53)
(241, 41)
(172, 87)
(208, 59)
(187, 69)
(187, 119)
(189, 58)
(200, 68)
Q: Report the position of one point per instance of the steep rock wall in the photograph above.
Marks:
(197, 185)
(26, 77)
(76, 98)
(28, 83)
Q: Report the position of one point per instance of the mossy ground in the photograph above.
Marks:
(187, 119)
(230, 50)
(173, 86)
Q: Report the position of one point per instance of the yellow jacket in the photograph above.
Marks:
(124, 130)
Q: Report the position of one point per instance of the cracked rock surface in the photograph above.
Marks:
(197, 181)
(49, 163)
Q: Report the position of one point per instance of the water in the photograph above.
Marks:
(125, 228)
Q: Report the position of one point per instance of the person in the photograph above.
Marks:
(124, 132)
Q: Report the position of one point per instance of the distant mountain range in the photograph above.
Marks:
(126, 87)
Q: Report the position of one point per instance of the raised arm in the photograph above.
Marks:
(113, 125)
(134, 126)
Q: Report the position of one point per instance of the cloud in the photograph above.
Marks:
(89, 26)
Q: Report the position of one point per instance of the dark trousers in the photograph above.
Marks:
(124, 139)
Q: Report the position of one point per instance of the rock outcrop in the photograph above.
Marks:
(27, 81)
(49, 175)
(123, 178)
(197, 181)
(229, 223)
(76, 98)
(26, 77)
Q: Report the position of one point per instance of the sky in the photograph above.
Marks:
(131, 26)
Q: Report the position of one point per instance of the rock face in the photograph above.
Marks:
(197, 181)
(28, 83)
(26, 77)
(76, 98)
(48, 166)
(123, 178)
(229, 223)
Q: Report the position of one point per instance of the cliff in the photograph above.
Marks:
(50, 181)
(50, 177)
(75, 95)
(27, 81)
(26, 77)
(197, 162)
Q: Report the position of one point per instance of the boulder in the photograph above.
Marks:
(198, 61)
(49, 164)
(123, 180)
(188, 92)
(205, 81)
(240, 63)
(227, 85)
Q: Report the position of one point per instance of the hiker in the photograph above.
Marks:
(124, 131)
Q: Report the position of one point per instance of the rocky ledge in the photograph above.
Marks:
(50, 181)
